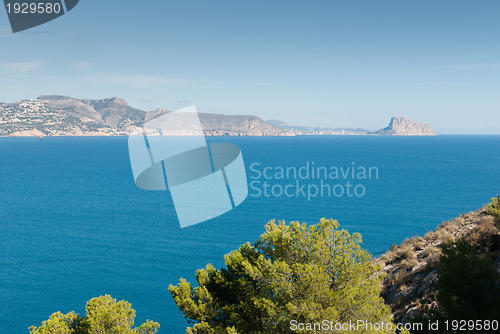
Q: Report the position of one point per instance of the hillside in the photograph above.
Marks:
(234, 125)
(411, 268)
(55, 115)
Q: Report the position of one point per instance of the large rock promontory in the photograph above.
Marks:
(400, 126)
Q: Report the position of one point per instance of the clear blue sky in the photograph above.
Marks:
(328, 63)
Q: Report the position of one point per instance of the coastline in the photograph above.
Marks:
(237, 135)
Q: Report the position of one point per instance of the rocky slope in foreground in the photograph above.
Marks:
(412, 268)
(400, 126)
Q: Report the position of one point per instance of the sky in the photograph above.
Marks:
(337, 63)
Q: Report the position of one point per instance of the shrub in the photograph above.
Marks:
(430, 236)
(467, 288)
(385, 258)
(484, 232)
(401, 277)
(431, 250)
(443, 235)
(467, 283)
(494, 209)
(406, 251)
(409, 263)
(419, 243)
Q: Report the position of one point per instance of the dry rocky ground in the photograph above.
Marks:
(411, 269)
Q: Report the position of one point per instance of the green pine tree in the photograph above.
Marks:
(293, 272)
(494, 209)
(105, 315)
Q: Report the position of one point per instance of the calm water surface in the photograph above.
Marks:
(74, 226)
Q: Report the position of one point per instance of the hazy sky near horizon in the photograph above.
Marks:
(346, 63)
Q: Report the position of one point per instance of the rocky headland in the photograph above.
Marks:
(400, 126)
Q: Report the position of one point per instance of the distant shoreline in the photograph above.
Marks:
(274, 136)
(243, 135)
(56, 115)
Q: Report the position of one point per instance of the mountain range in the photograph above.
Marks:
(55, 115)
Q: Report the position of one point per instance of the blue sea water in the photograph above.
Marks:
(73, 225)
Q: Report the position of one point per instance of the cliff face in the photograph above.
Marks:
(28, 133)
(400, 126)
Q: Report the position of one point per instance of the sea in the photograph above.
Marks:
(73, 224)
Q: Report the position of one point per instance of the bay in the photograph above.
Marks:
(73, 225)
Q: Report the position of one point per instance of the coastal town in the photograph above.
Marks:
(35, 118)
(55, 115)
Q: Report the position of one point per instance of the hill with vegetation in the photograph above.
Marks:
(414, 270)
(55, 115)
